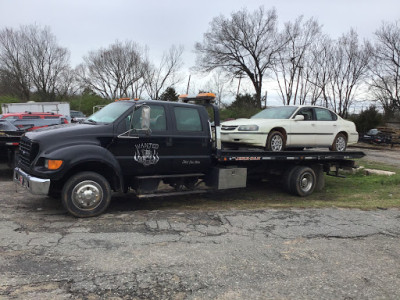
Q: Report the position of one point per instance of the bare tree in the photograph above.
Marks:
(165, 74)
(47, 61)
(385, 67)
(13, 66)
(349, 65)
(319, 71)
(217, 84)
(138, 88)
(68, 84)
(291, 66)
(245, 43)
(112, 72)
(34, 61)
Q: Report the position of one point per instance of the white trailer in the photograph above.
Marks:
(52, 107)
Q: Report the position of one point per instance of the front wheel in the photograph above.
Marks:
(275, 142)
(86, 194)
(339, 143)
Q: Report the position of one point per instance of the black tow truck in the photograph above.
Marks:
(156, 148)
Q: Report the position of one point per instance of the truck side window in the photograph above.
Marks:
(187, 119)
(158, 121)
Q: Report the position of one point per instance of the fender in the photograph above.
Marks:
(73, 155)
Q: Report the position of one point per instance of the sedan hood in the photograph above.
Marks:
(258, 122)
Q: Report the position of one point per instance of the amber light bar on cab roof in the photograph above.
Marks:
(208, 97)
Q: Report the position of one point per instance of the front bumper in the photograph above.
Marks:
(36, 186)
(254, 139)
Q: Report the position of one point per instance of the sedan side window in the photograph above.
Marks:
(324, 115)
(307, 113)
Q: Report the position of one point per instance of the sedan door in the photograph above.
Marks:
(326, 126)
(303, 133)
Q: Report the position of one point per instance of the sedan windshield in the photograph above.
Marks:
(282, 112)
(109, 113)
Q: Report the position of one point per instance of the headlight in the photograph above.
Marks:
(53, 164)
(248, 128)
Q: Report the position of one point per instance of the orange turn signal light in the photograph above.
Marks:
(53, 164)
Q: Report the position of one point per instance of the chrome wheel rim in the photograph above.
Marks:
(340, 143)
(87, 195)
(276, 143)
(306, 182)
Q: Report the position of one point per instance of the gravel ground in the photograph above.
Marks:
(177, 254)
(384, 155)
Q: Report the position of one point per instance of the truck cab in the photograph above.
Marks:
(129, 144)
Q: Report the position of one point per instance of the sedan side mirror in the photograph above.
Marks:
(299, 118)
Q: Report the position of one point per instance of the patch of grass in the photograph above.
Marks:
(355, 191)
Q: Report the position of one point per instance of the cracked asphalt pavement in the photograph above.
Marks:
(179, 254)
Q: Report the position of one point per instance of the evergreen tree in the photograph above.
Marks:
(169, 94)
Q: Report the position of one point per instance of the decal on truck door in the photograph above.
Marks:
(146, 154)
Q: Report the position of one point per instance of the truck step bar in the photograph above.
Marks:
(170, 176)
(166, 193)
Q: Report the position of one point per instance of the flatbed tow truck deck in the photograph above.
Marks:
(248, 154)
(117, 149)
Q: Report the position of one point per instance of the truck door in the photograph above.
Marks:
(141, 153)
(190, 139)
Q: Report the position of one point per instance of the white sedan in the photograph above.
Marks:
(279, 128)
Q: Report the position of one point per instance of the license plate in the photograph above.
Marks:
(21, 180)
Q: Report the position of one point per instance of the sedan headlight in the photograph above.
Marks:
(248, 128)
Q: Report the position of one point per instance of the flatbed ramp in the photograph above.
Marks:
(260, 155)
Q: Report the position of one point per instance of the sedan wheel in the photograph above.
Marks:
(339, 143)
(275, 142)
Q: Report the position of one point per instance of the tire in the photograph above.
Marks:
(302, 181)
(13, 158)
(275, 142)
(286, 179)
(97, 196)
(339, 143)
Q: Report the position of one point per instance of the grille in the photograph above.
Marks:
(228, 128)
(27, 151)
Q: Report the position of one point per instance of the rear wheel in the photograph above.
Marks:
(86, 194)
(339, 143)
(275, 142)
(301, 181)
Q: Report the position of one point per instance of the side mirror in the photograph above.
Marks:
(299, 118)
(145, 124)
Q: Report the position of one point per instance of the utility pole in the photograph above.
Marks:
(188, 85)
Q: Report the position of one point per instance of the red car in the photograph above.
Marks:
(28, 121)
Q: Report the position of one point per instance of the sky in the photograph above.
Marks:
(83, 25)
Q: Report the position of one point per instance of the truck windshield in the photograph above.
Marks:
(109, 113)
